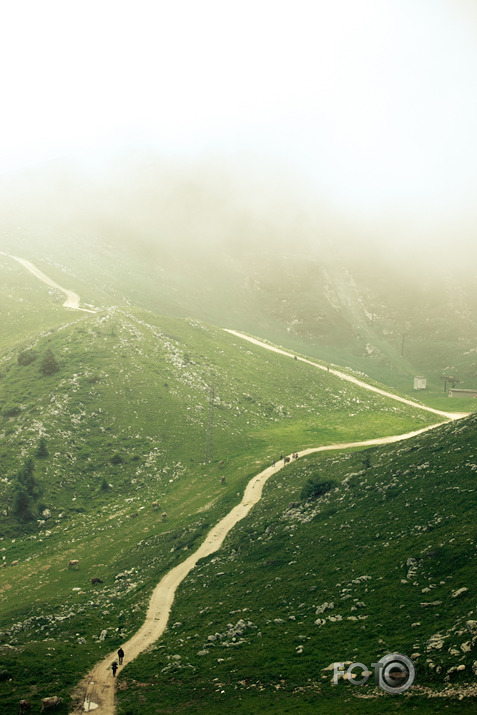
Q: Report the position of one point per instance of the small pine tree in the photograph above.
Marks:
(42, 450)
(49, 365)
(25, 491)
(27, 479)
(22, 503)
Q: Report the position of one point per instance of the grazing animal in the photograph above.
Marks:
(14, 563)
(50, 703)
(96, 580)
(24, 706)
(155, 505)
(73, 564)
(164, 515)
(133, 516)
(286, 460)
(222, 480)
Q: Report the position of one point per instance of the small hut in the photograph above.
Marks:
(461, 392)
(420, 383)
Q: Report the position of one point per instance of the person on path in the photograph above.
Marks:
(114, 666)
(120, 656)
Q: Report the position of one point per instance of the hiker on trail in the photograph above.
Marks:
(120, 656)
(273, 462)
(114, 666)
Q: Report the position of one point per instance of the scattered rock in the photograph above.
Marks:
(471, 626)
(459, 592)
(432, 603)
(324, 607)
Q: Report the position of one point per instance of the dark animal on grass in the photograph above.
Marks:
(164, 515)
(286, 460)
(222, 480)
(155, 505)
(96, 580)
(24, 706)
(50, 703)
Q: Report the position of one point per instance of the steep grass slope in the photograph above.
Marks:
(383, 562)
(120, 424)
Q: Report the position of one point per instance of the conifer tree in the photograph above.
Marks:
(49, 364)
(42, 450)
(26, 491)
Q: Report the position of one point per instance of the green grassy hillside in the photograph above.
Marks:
(129, 382)
(121, 424)
(190, 244)
(27, 306)
(384, 562)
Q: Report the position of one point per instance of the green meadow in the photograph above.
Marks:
(115, 457)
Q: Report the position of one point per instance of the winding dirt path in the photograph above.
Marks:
(72, 298)
(96, 691)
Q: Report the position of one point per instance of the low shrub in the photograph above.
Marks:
(314, 489)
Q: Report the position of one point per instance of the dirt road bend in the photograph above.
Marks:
(72, 298)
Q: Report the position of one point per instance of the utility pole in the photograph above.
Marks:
(209, 439)
(448, 378)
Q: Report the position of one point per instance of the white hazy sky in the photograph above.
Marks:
(371, 103)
